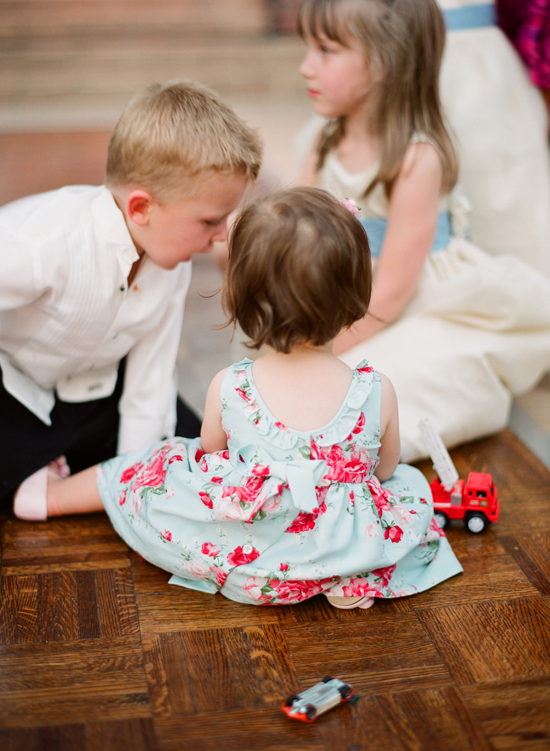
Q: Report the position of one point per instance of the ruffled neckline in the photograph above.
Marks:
(363, 177)
(335, 431)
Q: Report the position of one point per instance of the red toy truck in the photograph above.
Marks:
(475, 501)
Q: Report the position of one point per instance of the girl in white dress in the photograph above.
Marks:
(500, 123)
(458, 331)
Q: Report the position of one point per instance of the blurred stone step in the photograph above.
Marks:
(241, 66)
(42, 19)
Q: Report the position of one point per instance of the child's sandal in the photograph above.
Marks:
(363, 603)
(30, 500)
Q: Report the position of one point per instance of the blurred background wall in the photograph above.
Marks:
(69, 66)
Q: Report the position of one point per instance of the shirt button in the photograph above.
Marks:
(122, 288)
(247, 549)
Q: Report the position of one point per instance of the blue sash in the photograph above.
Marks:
(376, 229)
(470, 17)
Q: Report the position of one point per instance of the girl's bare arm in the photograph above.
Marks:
(390, 445)
(412, 221)
(213, 437)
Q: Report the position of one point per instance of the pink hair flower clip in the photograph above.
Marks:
(351, 206)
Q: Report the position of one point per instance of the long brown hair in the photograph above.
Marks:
(299, 270)
(403, 42)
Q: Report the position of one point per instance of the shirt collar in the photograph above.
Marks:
(110, 224)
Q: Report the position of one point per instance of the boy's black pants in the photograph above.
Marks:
(85, 432)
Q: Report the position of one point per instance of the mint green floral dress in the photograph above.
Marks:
(281, 515)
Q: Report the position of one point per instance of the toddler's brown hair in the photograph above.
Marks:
(299, 270)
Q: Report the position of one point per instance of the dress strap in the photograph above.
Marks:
(237, 380)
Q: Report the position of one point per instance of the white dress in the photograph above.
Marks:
(476, 333)
(500, 123)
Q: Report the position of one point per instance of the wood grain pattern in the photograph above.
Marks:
(99, 653)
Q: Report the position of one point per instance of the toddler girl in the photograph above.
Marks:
(281, 498)
(458, 331)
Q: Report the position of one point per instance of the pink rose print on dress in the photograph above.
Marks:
(242, 394)
(208, 548)
(372, 529)
(355, 469)
(261, 470)
(283, 567)
(305, 521)
(385, 574)
(360, 588)
(176, 458)
(271, 503)
(393, 533)
(122, 499)
(153, 475)
(199, 453)
(247, 493)
(198, 569)
(359, 425)
(289, 592)
(254, 589)
(127, 475)
(343, 468)
(219, 573)
(242, 554)
(205, 498)
(402, 515)
(378, 496)
(217, 480)
(167, 535)
(366, 369)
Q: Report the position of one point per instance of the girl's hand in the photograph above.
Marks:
(412, 220)
(390, 446)
(213, 437)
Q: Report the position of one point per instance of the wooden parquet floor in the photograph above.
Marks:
(99, 653)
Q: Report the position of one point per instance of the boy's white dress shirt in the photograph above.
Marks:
(67, 315)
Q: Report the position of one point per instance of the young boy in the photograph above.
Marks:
(93, 283)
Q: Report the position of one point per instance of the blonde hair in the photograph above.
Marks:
(171, 133)
(403, 42)
(299, 270)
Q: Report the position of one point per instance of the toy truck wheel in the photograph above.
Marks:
(441, 519)
(310, 711)
(476, 523)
